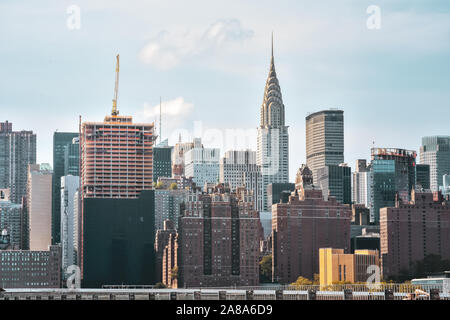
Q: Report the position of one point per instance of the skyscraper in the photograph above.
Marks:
(118, 203)
(178, 156)
(238, 169)
(11, 218)
(162, 161)
(202, 164)
(72, 158)
(60, 142)
(17, 151)
(361, 183)
(435, 151)
(324, 140)
(39, 206)
(336, 181)
(69, 186)
(273, 139)
(423, 176)
(393, 172)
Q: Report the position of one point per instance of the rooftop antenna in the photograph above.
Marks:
(115, 112)
(272, 44)
(160, 121)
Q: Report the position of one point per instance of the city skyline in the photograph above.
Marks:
(218, 61)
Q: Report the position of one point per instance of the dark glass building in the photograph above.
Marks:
(393, 172)
(72, 158)
(60, 142)
(423, 176)
(162, 162)
(118, 241)
(275, 192)
(336, 181)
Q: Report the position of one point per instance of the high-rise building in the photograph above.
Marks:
(302, 226)
(218, 240)
(445, 189)
(361, 183)
(337, 266)
(17, 151)
(435, 151)
(336, 181)
(239, 169)
(276, 191)
(408, 232)
(423, 176)
(273, 139)
(162, 238)
(60, 142)
(117, 201)
(393, 171)
(39, 206)
(72, 158)
(69, 186)
(202, 164)
(11, 219)
(324, 140)
(162, 160)
(178, 156)
(167, 205)
(30, 269)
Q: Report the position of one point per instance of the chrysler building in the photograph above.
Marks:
(273, 139)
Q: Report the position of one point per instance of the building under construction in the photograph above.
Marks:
(118, 216)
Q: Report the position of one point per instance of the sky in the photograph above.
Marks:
(387, 67)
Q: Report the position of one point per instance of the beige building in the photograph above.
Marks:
(337, 266)
(39, 206)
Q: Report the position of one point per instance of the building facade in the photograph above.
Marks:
(117, 201)
(202, 164)
(60, 142)
(17, 151)
(393, 172)
(11, 219)
(435, 151)
(239, 169)
(162, 161)
(361, 183)
(302, 226)
(39, 206)
(30, 269)
(162, 238)
(167, 206)
(409, 231)
(273, 140)
(324, 140)
(69, 186)
(218, 240)
(178, 152)
(336, 181)
(423, 176)
(72, 158)
(339, 267)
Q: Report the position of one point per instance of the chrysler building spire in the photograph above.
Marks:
(272, 109)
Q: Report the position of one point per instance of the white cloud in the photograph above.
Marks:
(169, 48)
(174, 112)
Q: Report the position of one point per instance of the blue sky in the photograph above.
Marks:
(209, 60)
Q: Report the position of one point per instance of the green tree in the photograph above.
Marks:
(265, 269)
(174, 273)
(173, 186)
(159, 185)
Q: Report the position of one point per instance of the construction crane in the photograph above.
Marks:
(115, 112)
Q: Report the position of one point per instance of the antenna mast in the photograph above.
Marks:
(160, 121)
(115, 112)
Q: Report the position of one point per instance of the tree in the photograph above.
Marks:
(302, 281)
(159, 185)
(316, 280)
(265, 269)
(173, 186)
